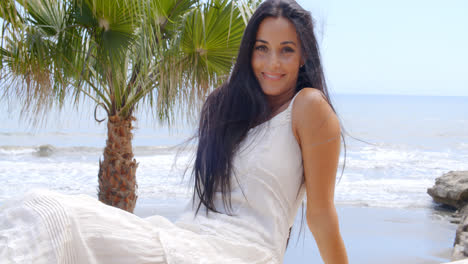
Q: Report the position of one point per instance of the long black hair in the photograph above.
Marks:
(239, 104)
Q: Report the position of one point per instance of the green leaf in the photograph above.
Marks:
(126, 54)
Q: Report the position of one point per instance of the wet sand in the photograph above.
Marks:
(384, 236)
(372, 235)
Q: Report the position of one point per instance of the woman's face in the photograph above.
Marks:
(276, 57)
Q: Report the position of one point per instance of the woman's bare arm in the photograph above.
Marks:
(317, 130)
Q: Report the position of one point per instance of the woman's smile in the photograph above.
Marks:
(272, 76)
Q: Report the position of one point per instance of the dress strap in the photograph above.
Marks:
(292, 100)
(285, 115)
(290, 106)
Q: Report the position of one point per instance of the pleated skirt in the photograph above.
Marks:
(47, 227)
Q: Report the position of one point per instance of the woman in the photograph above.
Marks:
(265, 136)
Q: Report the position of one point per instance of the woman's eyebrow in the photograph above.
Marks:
(282, 43)
(288, 42)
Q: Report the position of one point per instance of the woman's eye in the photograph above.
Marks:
(261, 48)
(288, 49)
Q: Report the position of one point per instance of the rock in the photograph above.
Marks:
(463, 210)
(460, 247)
(44, 151)
(451, 189)
(456, 217)
(457, 253)
(461, 231)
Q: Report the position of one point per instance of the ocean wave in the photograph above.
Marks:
(385, 192)
(48, 150)
(16, 134)
(422, 204)
(385, 158)
(15, 150)
(377, 176)
(45, 150)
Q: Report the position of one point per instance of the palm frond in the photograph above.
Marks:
(9, 13)
(210, 43)
(47, 15)
(120, 53)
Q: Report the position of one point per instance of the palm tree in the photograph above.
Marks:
(123, 55)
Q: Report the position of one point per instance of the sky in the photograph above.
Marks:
(413, 47)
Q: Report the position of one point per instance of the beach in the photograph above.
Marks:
(372, 235)
(385, 236)
(385, 214)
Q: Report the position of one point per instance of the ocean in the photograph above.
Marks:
(396, 145)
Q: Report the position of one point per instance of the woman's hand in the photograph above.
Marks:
(317, 130)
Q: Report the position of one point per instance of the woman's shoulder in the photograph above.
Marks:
(310, 111)
(309, 95)
(311, 103)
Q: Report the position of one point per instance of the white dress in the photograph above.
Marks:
(267, 190)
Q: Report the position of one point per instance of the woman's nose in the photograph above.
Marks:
(274, 61)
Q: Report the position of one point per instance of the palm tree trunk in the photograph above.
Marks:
(117, 181)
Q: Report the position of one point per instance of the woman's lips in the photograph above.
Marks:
(272, 76)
